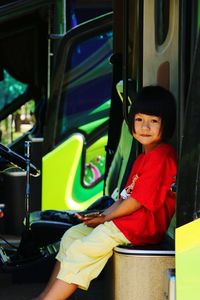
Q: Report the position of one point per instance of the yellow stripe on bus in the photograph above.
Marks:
(187, 236)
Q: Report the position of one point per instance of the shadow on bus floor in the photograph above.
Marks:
(21, 291)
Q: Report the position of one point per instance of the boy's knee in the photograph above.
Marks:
(68, 234)
(72, 233)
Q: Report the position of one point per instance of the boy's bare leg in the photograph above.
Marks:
(56, 289)
(51, 281)
(60, 290)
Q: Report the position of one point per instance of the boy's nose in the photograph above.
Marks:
(145, 124)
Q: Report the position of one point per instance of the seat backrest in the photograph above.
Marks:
(120, 161)
(172, 227)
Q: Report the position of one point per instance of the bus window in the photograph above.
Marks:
(18, 123)
(80, 11)
(77, 114)
(20, 120)
(10, 89)
(95, 162)
(86, 91)
(162, 9)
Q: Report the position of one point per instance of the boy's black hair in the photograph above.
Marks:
(155, 100)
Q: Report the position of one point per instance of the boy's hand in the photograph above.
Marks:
(91, 221)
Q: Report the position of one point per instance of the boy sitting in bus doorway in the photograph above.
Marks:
(144, 209)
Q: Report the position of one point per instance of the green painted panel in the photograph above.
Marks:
(61, 180)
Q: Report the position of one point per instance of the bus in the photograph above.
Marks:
(147, 42)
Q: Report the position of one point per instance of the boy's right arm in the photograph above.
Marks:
(112, 207)
(123, 208)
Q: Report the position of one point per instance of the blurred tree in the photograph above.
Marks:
(10, 89)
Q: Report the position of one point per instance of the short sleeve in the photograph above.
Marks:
(155, 179)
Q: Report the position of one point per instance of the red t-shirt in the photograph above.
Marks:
(149, 183)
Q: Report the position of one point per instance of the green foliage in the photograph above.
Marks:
(10, 89)
(21, 119)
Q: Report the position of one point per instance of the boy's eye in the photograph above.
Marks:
(138, 119)
(154, 121)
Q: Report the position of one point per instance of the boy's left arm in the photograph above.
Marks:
(125, 207)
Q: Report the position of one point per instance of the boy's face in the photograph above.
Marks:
(147, 130)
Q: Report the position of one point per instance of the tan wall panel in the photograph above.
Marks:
(167, 53)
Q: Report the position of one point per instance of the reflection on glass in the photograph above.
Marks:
(95, 162)
(22, 119)
(17, 123)
(81, 11)
(10, 89)
(86, 93)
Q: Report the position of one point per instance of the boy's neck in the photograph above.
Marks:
(148, 148)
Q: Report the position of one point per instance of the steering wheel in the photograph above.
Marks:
(17, 159)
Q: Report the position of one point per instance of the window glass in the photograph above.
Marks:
(162, 8)
(95, 162)
(10, 89)
(86, 91)
(22, 119)
(5, 2)
(17, 123)
(83, 10)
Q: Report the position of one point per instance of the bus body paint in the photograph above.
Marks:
(61, 183)
(188, 261)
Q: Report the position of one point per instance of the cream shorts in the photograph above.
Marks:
(84, 252)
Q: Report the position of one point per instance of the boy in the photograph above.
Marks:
(144, 209)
